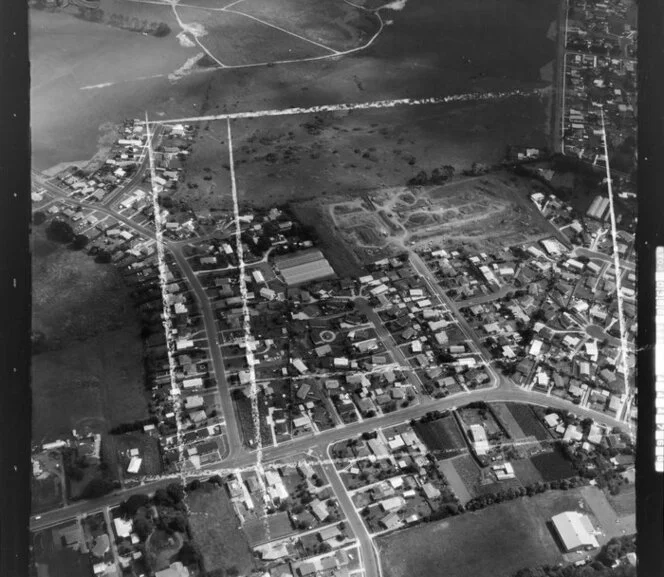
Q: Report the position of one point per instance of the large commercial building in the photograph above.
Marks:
(575, 530)
(304, 266)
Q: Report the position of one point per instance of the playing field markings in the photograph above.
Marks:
(346, 107)
(336, 52)
(618, 273)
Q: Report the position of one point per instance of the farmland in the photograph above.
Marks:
(552, 465)
(214, 527)
(442, 437)
(528, 422)
(493, 542)
(428, 49)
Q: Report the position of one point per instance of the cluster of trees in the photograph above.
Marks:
(438, 176)
(61, 232)
(598, 466)
(515, 492)
(601, 566)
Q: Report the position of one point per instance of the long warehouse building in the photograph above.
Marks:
(304, 266)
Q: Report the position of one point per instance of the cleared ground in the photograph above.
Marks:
(494, 542)
(216, 530)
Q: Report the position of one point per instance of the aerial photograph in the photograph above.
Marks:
(333, 288)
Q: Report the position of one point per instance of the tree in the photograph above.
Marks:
(143, 527)
(79, 242)
(129, 507)
(59, 231)
(175, 492)
(103, 257)
(38, 218)
(96, 488)
(162, 498)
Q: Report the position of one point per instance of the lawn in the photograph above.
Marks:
(442, 436)
(528, 421)
(553, 465)
(215, 529)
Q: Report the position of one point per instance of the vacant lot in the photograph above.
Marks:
(442, 436)
(553, 465)
(528, 421)
(215, 529)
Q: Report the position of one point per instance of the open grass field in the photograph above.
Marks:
(494, 542)
(552, 465)
(91, 369)
(442, 436)
(96, 383)
(46, 494)
(234, 39)
(215, 529)
(333, 23)
(624, 503)
(528, 422)
(428, 49)
(75, 298)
